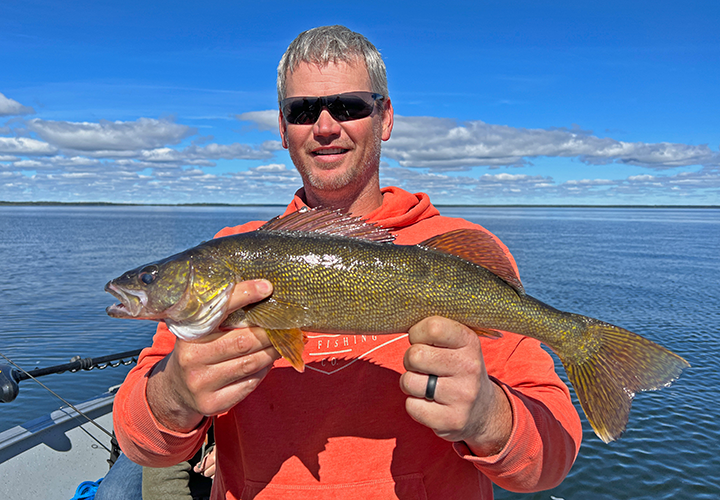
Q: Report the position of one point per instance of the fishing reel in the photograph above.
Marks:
(9, 388)
(10, 377)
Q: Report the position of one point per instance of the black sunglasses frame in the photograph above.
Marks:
(305, 110)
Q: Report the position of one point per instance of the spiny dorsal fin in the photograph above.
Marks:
(330, 222)
(479, 248)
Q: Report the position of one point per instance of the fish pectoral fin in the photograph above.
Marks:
(276, 314)
(487, 332)
(282, 321)
(290, 344)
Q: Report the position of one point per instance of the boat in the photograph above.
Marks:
(49, 457)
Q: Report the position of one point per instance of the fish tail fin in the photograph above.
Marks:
(619, 365)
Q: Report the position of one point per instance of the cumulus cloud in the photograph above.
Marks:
(144, 133)
(25, 146)
(264, 120)
(10, 107)
(159, 160)
(234, 151)
(444, 144)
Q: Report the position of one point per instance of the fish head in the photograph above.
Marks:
(189, 291)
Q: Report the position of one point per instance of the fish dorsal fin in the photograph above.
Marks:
(328, 221)
(480, 248)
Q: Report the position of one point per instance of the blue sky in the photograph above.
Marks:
(513, 102)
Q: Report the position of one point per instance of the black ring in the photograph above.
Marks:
(430, 389)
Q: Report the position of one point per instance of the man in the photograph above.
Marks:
(434, 413)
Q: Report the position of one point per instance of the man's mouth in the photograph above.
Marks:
(329, 151)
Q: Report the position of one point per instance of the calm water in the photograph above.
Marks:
(654, 271)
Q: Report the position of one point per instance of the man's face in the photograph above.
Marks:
(331, 155)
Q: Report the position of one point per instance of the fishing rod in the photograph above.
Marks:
(11, 374)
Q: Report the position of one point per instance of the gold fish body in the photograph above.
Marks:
(334, 274)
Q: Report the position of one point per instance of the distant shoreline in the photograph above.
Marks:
(110, 204)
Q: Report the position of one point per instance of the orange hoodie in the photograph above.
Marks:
(340, 429)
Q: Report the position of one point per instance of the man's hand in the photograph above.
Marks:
(206, 466)
(212, 374)
(467, 406)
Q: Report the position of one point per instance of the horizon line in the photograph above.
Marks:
(446, 205)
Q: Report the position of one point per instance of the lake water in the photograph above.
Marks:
(653, 271)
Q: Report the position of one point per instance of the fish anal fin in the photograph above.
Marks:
(329, 222)
(481, 248)
(290, 344)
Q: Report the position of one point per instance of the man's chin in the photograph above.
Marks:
(330, 179)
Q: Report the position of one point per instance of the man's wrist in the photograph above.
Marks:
(166, 405)
(496, 432)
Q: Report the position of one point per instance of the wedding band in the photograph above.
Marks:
(430, 389)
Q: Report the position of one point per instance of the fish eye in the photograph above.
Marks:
(148, 275)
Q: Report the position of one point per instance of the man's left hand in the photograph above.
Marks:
(468, 406)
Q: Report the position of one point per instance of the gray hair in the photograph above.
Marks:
(334, 44)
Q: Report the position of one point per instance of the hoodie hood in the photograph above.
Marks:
(399, 209)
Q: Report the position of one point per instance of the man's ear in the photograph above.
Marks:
(388, 118)
(282, 125)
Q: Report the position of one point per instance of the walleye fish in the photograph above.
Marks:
(333, 273)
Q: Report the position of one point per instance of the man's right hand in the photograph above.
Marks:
(211, 375)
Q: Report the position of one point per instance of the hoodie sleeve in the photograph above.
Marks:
(546, 431)
(141, 437)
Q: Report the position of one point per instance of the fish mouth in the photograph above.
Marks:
(132, 302)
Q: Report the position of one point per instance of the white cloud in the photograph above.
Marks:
(443, 144)
(265, 120)
(10, 107)
(273, 167)
(144, 133)
(233, 151)
(141, 161)
(25, 146)
(591, 182)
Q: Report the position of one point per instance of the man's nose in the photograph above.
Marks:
(326, 125)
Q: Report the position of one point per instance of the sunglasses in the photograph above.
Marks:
(305, 110)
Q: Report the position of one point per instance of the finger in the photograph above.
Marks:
(249, 292)
(218, 376)
(200, 466)
(440, 332)
(429, 413)
(225, 345)
(416, 384)
(210, 471)
(234, 342)
(206, 466)
(440, 361)
(230, 394)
